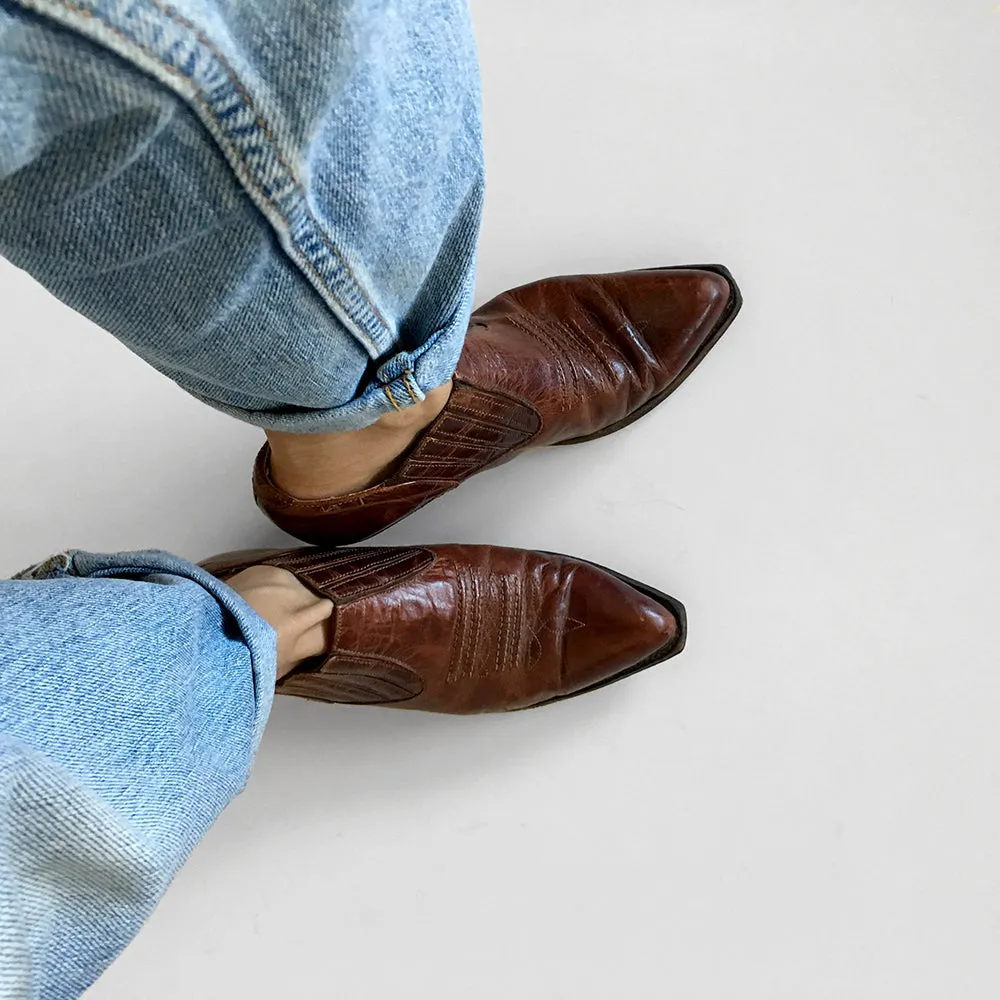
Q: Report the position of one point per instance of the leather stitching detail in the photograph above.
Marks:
(555, 350)
(461, 627)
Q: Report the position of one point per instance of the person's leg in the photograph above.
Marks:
(313, 466)
(463, 629)
(134, 689)
(277, 206)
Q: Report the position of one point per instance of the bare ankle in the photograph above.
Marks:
(300, 618)
(313, 466)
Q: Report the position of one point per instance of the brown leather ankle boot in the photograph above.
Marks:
(559, 361)
(470, 628)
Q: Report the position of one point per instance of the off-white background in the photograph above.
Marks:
(806, 805)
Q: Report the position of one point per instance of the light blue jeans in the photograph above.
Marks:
(134, 689)
(276, 203)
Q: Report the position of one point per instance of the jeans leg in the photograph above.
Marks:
(134, 689)
(276, 205)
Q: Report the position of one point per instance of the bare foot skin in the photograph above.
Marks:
(300, 617)
(314, 466)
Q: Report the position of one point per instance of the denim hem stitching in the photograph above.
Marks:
(200, 74)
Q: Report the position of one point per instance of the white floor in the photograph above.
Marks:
(807, 803)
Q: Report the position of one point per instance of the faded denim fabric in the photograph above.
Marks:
(274, 203)
(134, 690)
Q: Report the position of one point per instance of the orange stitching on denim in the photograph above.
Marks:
(407, 378)
(261, 123)
(176, 16)
(392, 398)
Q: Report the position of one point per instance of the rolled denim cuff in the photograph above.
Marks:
(402, 381)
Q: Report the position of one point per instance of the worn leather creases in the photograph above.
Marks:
(554, 362)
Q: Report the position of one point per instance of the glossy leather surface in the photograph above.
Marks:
(469, 628)
(553, 362)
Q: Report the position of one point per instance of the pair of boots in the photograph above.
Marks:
(469, 628)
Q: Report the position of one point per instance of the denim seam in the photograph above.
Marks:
(268, 134)
(373, 331)
(392, 398)
(407, 378)
(373, 400)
